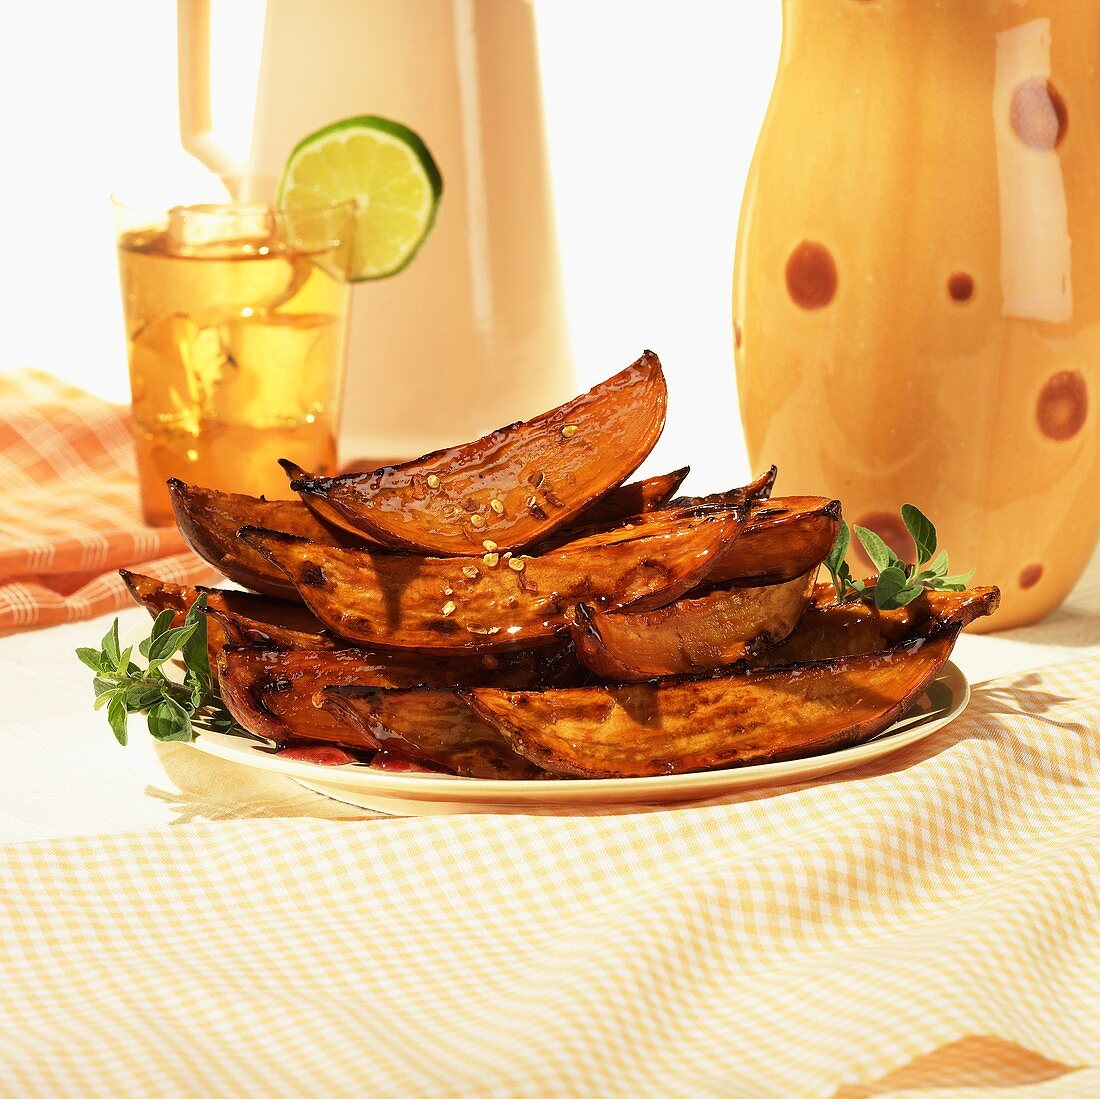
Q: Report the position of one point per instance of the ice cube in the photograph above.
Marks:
(160, 379)
(210, 231)
(283, 368)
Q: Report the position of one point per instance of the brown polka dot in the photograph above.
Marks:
(889, 527)
(1063, 405)
(960, 286)
(1030, 576)
(737, 336)
(1038, 114)
(811, 275)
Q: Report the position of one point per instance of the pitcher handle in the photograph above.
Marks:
(193, 60)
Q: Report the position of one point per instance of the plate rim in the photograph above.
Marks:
(400, 784)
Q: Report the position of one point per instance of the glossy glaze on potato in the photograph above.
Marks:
(209, 521)
(234, 617)
(432, 727)
(697, 633)
(667, 726)
(516, 485)
(829, 629)
(496, 601)
(276, 694)
(785, 537)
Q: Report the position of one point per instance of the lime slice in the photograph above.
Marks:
(388, 172)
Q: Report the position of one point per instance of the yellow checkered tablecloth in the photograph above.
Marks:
(924, 927)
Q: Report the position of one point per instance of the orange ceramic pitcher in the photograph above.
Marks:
(917, 287)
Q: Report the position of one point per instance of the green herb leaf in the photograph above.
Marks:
(840, 549)
(168, 720)
(93, 658)
(891, 582)
(105, 698)
(169, 642)
(939, 566)
(907, 595)
(110, 645)
(923, 532)
(141, 696)
(199, 690)
(196, 654)
(160, 626)
(175, 710)
(879, 552)
(116, 717)
(951, 583)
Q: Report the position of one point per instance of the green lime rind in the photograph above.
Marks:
(418, 155)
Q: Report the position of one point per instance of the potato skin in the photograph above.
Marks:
(668, 726)
(516, 485)
(493, 602)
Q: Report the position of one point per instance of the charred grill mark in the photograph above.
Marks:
(442, 625)
(312, 575)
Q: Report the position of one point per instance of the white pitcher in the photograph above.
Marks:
(472, 334)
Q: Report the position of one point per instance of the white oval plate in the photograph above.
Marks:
(418, 794)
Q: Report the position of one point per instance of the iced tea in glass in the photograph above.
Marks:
(236, 325)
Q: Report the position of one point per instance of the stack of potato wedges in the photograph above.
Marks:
(512, 608)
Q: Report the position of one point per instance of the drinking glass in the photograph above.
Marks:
(236, 329)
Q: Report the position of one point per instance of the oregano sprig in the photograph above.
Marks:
(174, 710)
(898, 584)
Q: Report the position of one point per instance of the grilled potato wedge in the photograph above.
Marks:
(159, 595)
(784, 538)
(697, 633)
(209, 521)
(455, 604)
(431, 727)
(516, 485)
(328, 518)
(609, 510)
(234, 617)
(300, 632)
(829, 629)
(274, 694)
(758, 489)
(667, 726)
(636, 498)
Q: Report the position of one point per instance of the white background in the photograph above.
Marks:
(652, 112)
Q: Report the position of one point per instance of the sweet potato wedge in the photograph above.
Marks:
(159, 595)
(636, 498)
(209, 521)
(275, 694)
(785, 537)
(696, 633)
(328, 518)
(297, 632)
(829, 629)
(454, 604)
(432, 727)
(516, 485)
(613, 508)
(236, 617)
(672, 725)
(758, 489)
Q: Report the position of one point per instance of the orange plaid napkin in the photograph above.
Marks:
(69, 510)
